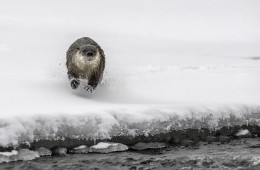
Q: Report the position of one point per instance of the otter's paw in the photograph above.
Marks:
(89, 88)
(74, 83)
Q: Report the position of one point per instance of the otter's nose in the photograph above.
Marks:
(90, 53)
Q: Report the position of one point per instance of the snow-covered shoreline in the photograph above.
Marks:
(134, 122)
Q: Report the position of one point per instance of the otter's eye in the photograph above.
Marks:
(90, 53)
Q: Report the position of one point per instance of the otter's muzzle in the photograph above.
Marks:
(89, 55)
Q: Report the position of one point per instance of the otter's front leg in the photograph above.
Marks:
(92, 83)
(74, 82)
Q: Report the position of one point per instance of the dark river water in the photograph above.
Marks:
(239, 154)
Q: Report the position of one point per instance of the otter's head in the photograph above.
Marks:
(88, 52)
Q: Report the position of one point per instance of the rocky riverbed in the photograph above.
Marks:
(241, 153)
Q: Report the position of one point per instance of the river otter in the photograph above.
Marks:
(85, 63)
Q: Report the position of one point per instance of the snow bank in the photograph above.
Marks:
(26, 129)
(166, 62)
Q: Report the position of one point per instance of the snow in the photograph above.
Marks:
(163, 59)
(242, 132)
(81, 147)
(13, 152)
(103, 145)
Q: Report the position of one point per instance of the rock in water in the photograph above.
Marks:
(210, 139)
(59, 151)
(107, 147)
(43, 151)
(186, 142)
(224, 139)
(79, 150)
(26, 155)
(5, 159)
(8, 156)
(150, 145)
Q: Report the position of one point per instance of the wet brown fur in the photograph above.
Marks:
(77, 73)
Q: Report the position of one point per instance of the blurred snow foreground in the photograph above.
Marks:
(182, 65)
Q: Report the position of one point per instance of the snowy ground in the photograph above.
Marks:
(163, 58)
